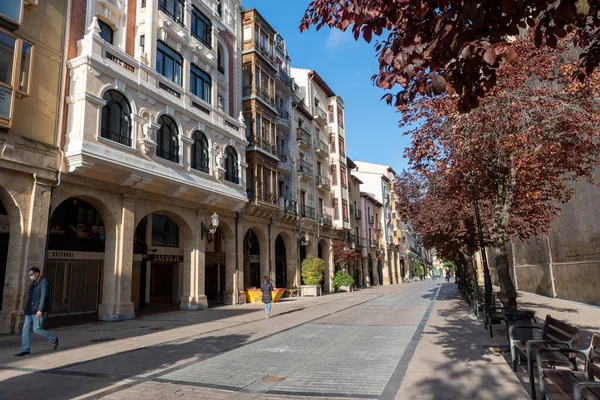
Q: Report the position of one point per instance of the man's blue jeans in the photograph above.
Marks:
(34, 323)
(268, 308)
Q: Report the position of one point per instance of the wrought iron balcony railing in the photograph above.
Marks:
(168, 156)
(371, 219)
(307, 212)
(326, 219)
(358, 213)
(320, 115)
(304, 167)
(303, 136)
(322, 147)
(116, 137)
(232, 178)
(323, 182)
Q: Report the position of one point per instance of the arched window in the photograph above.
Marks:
(200, 152)
(116, 118)
(231, 166)
(168, 139)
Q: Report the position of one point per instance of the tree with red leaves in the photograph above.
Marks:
(535, 132)
(343, 253)
(436, 46)
(444, 221)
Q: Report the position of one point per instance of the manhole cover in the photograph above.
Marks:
(494, 350)
(270, 378)
(102, 340)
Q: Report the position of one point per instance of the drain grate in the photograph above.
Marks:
(270, 378)
(102, 340)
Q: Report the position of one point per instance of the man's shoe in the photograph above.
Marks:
(56, 344)
(23, 353)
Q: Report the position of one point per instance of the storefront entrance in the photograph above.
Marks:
(157, 263)
(161, 283)
(75, 259)
(215, 278)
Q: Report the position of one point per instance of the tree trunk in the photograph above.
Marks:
(508, 294)
(499, 236)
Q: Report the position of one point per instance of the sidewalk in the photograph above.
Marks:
(452, 360)
(98, 356)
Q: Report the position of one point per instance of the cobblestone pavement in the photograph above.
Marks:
(340, 346)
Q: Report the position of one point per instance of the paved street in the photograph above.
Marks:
(411, 341)
(343, 345)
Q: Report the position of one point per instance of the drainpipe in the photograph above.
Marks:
(58, 126)
(270, 258)
(237, 259)
(550, 266)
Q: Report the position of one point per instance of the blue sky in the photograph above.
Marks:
(347, 66)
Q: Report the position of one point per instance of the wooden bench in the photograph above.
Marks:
(555, 334)
(493, 314)
(572, 384)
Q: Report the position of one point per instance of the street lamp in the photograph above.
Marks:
(205, 230)
(487, 279)
(304, 239)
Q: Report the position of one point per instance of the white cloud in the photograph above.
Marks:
(338, 38)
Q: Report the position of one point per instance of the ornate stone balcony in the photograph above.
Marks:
(132, 159)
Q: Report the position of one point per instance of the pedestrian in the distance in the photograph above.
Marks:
(266, 288)
(36, 310)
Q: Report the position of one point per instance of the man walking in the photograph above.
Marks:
(35, 312)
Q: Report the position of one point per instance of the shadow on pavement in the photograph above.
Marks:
(83, 378)
(452, 359)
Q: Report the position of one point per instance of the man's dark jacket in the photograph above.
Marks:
(39, 297)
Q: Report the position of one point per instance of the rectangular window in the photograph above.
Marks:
(340, 117)
(342, 147)
(200, 83)
(336, 209)
(15, 55)
(345, 210)
(143, 43)
(330, 115)
(332, 143)
(168, 63)
(173, 8)
(201, 27)
(106, 32)
(143, 3)
(12, 11)
(344, 177)
(334, 175)
(247, 34)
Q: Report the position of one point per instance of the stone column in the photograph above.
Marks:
(27, 245)
(193, 297)
(116, 294)
(365, 268)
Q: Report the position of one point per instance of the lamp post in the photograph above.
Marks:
(487, 280)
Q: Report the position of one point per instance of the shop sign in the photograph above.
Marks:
(75, 255)
(163, 258)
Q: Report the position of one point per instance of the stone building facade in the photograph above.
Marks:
(566, 262)
(33, 38)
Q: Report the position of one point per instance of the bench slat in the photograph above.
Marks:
(554, 334)
(563, 326)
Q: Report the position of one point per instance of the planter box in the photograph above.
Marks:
(310, 290)
(346, 289)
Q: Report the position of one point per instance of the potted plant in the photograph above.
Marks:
(312, 275)
(417, 270)
(343, 281)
